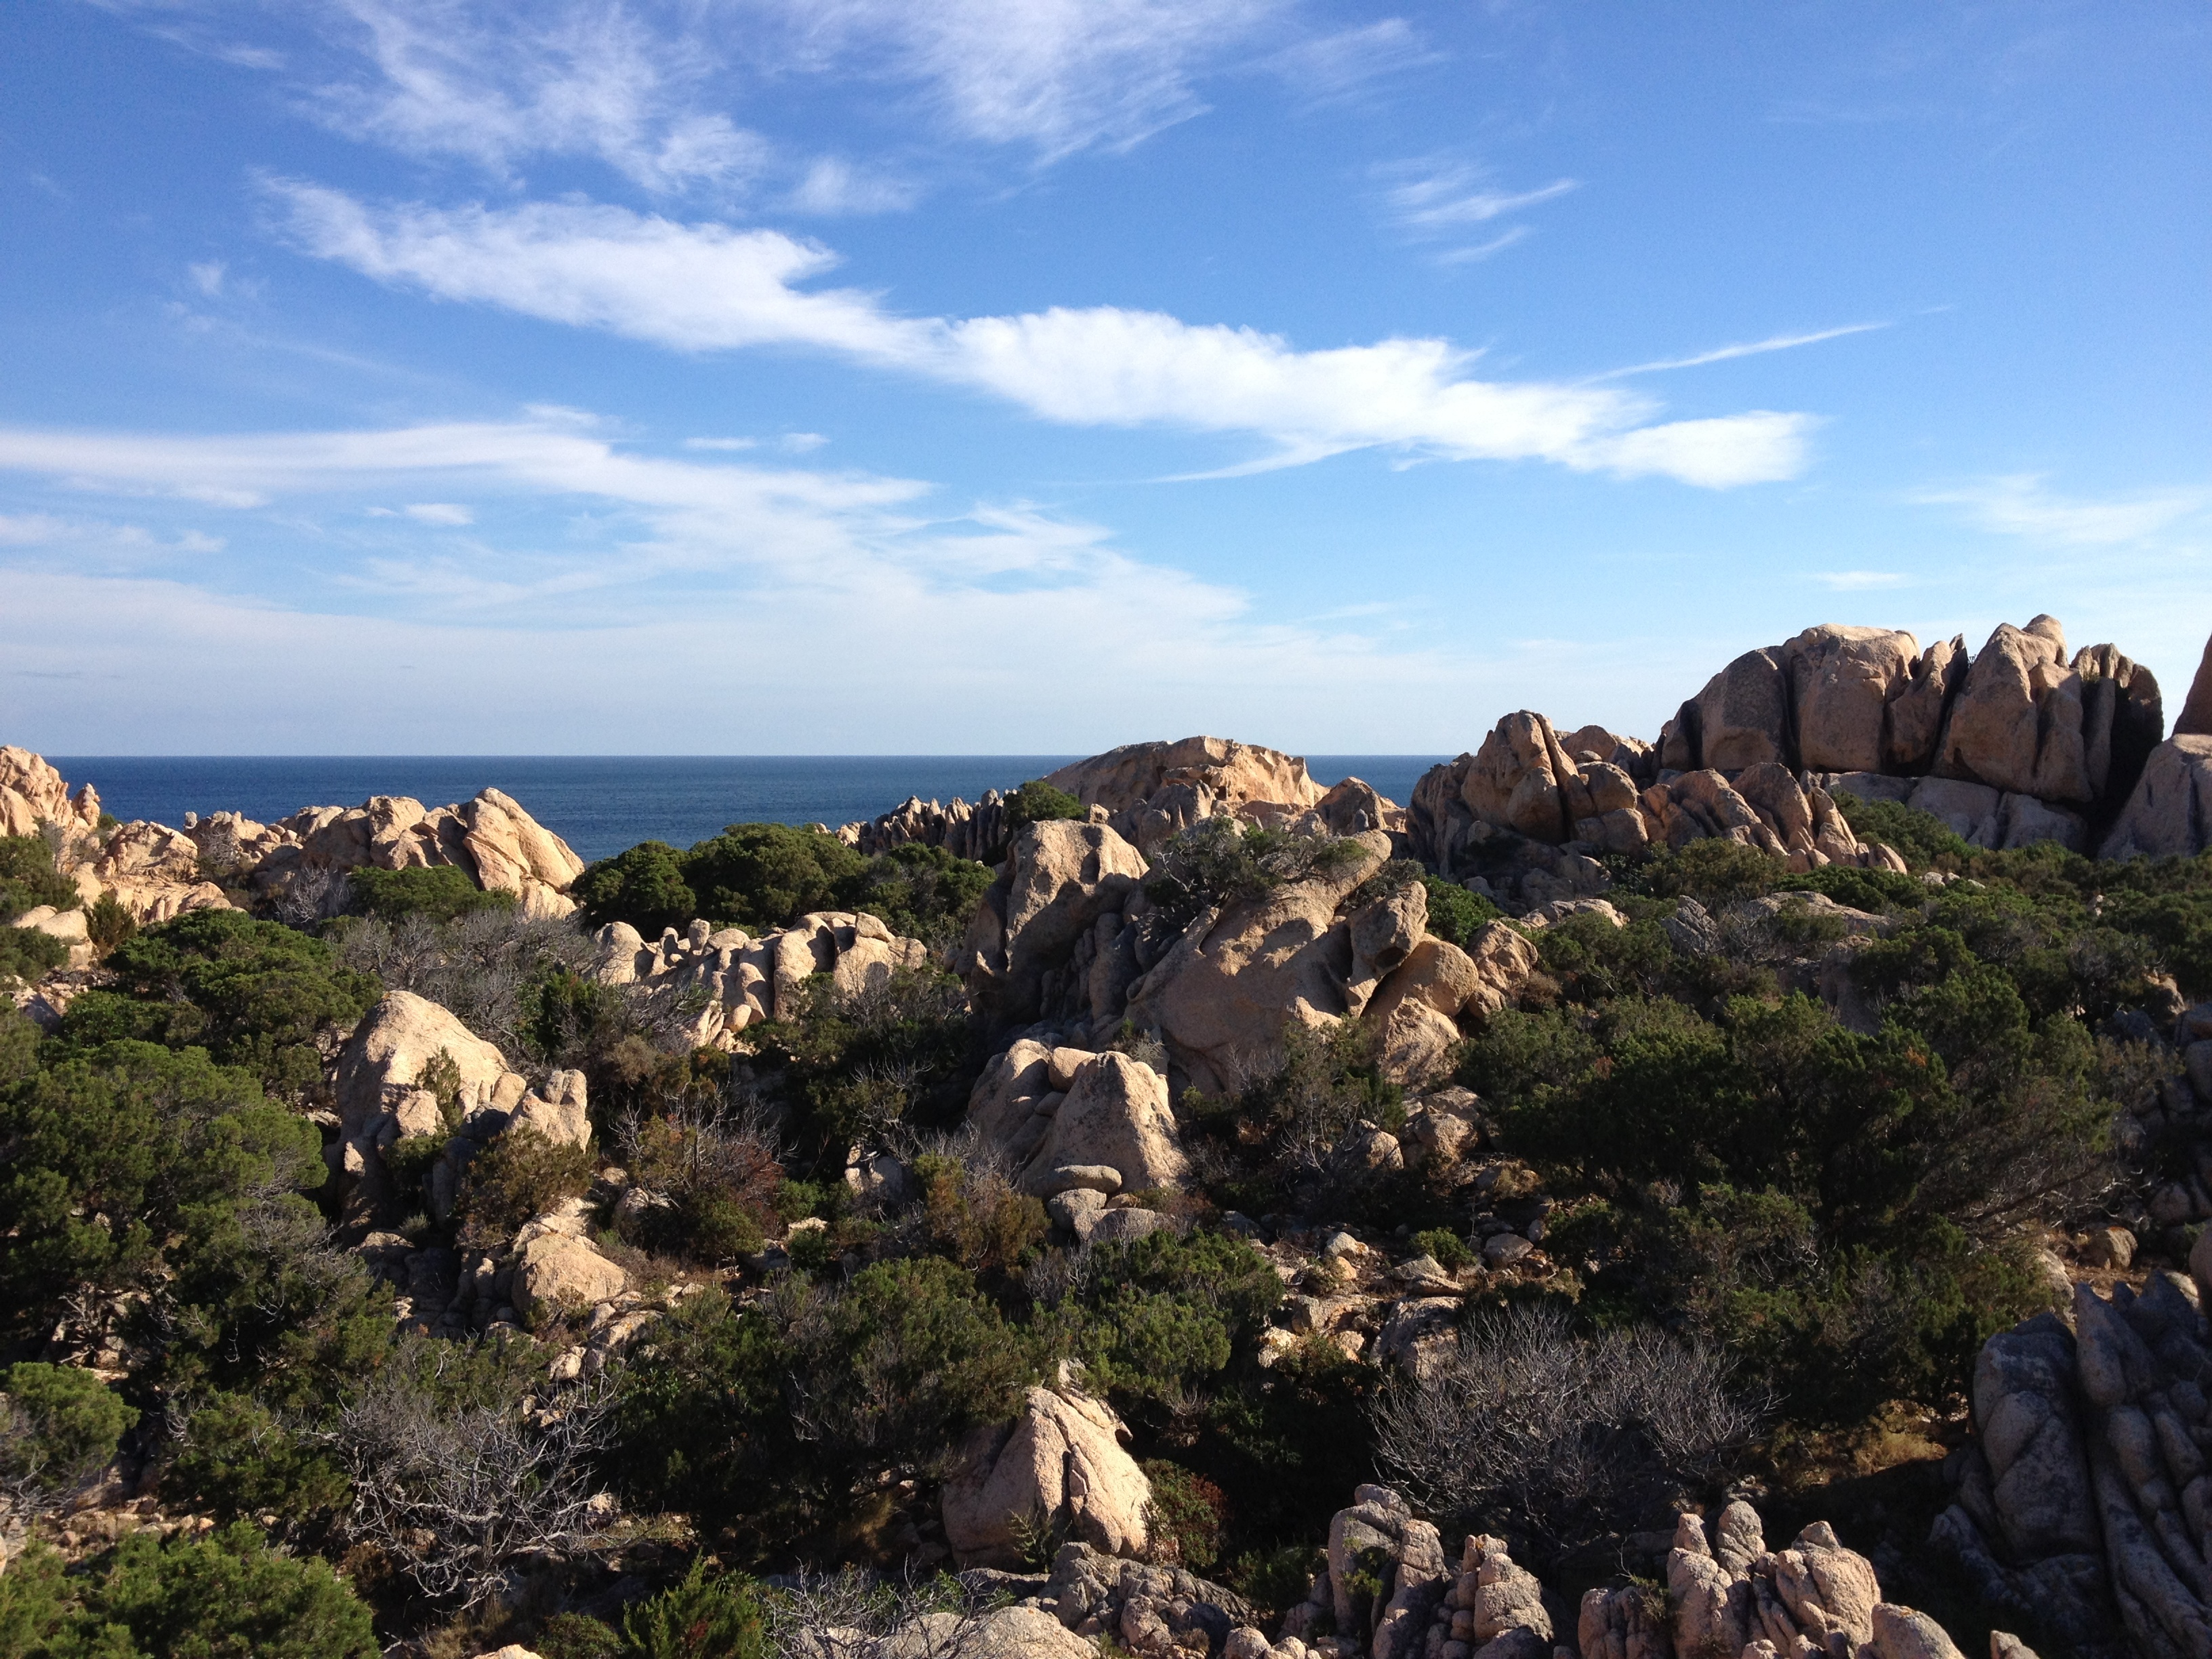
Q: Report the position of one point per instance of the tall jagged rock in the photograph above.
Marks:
(2016, 724)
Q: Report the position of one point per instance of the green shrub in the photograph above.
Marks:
(1163, 1316)
(239, 1460)
(704, 1428)
(1875, 891)
(706, 1616)
(644, 887)
(28, 878)
(919, 892)
(253, 993)
(978, 1218)
(1187, 1514)
(440, 892)
(576, 1636)
(1449, 1250)
(1456, 915)
(1221, 862)
(59, 1426)
(27, 956)
(764, 876)
(1924, 841)
(570, 1019)
(1037, 802)
(119, 1159)
(228, 1596)
(520, 1175)
(109, 923)
(1714, 871)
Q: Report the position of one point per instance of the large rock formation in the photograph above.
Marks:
(1148, 791)
(721, 981)
(1061, 1116)
(32, 793)
(1057, 1471)
(1052, 937)
(498, 845)
(2170, 813)
(1221, 995)
(2086, 1499)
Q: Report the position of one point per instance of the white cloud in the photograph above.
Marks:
(1331, 66)
(1752, 349)
(802, 443)
(1061, 76)
(708, 287)
(1454, 197)
(2017, 504)
(1480, 250)
(832, 187)
(499, 87)
(448, 514)
(207, 277)
(721, 443)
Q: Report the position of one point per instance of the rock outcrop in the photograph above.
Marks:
(1053, 937)
(1222, 993)
(2170, 813)
(32, 793)
(1058, 1470)
(1149, 791)
(491, 838)
(2086, 1499)
(1064, 1115)
(724, 980)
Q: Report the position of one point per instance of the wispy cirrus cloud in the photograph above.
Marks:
(1454, 197)
(1858, 582)
(1748, 348)
(2019, 504)
(709, 287)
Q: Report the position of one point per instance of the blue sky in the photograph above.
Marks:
(756, 376)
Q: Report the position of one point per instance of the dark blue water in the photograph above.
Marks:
(601, 804)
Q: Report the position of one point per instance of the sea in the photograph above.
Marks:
(602, 804)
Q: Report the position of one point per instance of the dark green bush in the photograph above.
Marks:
(1187, 1514)
(1162, 1316)
(1924, 841)
(109, 923)
(644, 887)
(1037, 802)
(28, 878)
(121, 1158)
(709, 1616)
(520, 1175)
(919, 892)
(27, 956)
(764, 876)
(1448, 1247)
(253, 993)
(1222, 862)
(224, 1596)
(1714, 871)
(440, 892)
(239, 1460)
(59, 1426)
(1456, 915)
(978, 1218)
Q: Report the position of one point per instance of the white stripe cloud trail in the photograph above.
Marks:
(2017, 504)
(709, 287)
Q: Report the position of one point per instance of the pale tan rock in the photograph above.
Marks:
(32, 793)
(558, 1114)
(1739, 719)
(1515, 780)
(2016, 724)
(1116, 1113)
(1354, 806)
(1222, 995)
(1383, 932)
(2195, 719)
(1825, 1586)
(2123, 718)
(1712, 1606)
(2170, 813)
(558, 1270)
(1842, 684)
(1060, 878)
(1503, 959)
(1061, 1468)
(1916, 711)
(385, 1058)
(1901, 1633)
(1230, 774)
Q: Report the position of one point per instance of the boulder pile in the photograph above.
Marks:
(1060, 947)
(727, 980)
(1058, 1471)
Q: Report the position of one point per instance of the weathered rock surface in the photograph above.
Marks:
(1068, 1119)
(1222, 995)
(1065, 886)
(557, 1271)
(2170, 813)
(1058, 1469)
(1148, 791)
(32, 793)
(2016, 724)
(726, 981)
